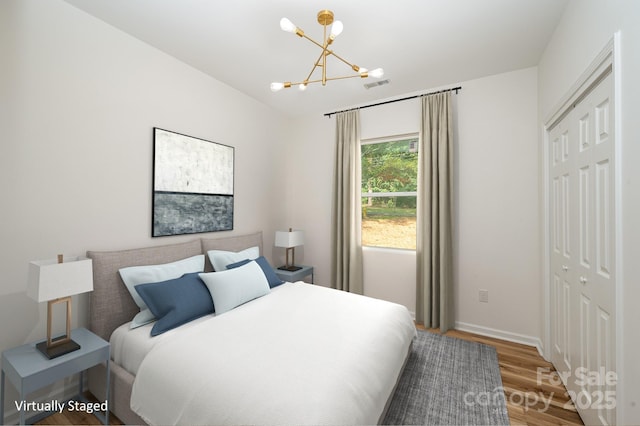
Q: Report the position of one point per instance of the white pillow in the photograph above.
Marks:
(134, 275)
(233, 287)
(220, 259)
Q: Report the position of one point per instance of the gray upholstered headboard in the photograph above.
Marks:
(111, 304)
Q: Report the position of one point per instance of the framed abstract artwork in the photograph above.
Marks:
(192, 185)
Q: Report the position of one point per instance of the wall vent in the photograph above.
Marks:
(376, 84)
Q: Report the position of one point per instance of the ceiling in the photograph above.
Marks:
(421, 44)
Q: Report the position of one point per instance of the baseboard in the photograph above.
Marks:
(501, 334)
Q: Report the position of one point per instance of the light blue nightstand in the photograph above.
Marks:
(293, 276)
(29, 370)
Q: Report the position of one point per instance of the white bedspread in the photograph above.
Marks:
(301, 355)
(130, 346)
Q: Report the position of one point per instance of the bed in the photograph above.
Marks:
(301, 354)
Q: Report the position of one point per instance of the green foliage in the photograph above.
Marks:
(390, 167)
(387, 212)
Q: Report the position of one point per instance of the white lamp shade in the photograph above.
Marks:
(289, 238)
(49, 280)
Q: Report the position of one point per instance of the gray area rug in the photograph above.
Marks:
(449, 381)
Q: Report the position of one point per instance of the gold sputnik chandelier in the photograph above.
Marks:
(325, 18)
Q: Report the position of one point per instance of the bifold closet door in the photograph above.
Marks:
(582, 252)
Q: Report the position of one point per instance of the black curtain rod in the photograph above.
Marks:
(453, 89)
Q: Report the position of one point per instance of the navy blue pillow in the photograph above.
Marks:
(272, 278)
(176, 302)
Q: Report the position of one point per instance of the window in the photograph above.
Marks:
(389, 191)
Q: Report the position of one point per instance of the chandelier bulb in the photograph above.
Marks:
(302, 87)
(287, 25)
(377, 73)
(336, 29)
(275, 86)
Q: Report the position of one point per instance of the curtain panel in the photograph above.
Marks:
(434, 273)
(346, 264)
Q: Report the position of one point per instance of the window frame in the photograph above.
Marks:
(386, 139)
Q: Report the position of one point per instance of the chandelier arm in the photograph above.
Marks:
(302, 82)
(352, 66)
(328, 79)
(313, 41)
(326, 51)
(315, 65)
(324, 54)
(342, 78)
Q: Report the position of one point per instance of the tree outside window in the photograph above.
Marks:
(389, 190)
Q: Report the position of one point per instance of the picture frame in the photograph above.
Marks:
(193, 185)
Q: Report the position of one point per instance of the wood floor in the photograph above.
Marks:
(530, 384)
(531, 392)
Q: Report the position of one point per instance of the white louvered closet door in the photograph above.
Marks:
(583, 253)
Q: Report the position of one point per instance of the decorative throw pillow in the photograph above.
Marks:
(176, 302)
(269, 273)
(135, 275)
(220, 259)
(234, 287)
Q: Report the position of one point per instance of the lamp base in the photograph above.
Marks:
(57, 350)
(290, 268)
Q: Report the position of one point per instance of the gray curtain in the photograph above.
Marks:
(434, 293)
(346, 265)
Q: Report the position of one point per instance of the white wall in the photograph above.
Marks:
(496, 224)
(78, 101)
(497, 209)
(307, 192)
(582, 33)
(390, 274)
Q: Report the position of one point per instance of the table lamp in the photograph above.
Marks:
(290, 240)
(54, 281)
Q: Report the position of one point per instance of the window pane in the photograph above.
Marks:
(390, 166)
(389, 222)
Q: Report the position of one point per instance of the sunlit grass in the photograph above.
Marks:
(389, 231)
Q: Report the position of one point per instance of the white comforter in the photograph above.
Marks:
(302, 354)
